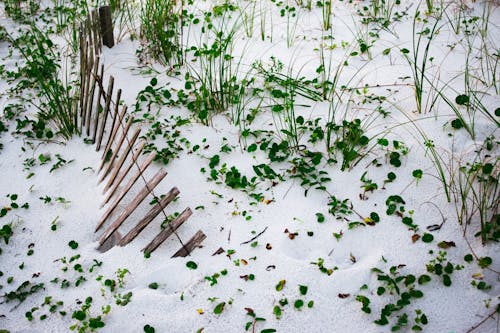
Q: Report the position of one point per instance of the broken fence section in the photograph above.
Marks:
(108, 126)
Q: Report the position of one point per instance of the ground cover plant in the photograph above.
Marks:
(340, 156)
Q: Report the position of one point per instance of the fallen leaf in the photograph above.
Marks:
(200, 311)
(415, 238)
(446, 245)
(220, 250)
(344, 295)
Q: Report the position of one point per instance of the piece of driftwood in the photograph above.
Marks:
(107, 98)
(150, 216)
(193, 243)
(128, 147)
(112, 135)
(117, 169)
(168, 231)
(118, 147)
(114, 116)
(129, 209)
(106, 25)
(127, 187)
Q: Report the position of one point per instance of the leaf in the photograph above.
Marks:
(303, 289)
(280, 285)
(417, 173)
(446, 280)
(149, 329)
(268, 330)
(73, 245)
(446, 245)
(423, 279)
(219, 308)
(79, 315)
(415, 238)
(468, 258)
(191, 265)
(277, 311)
(457, 124)
(320, 217)
(427, 238)
(462, 99)
(298, 304)
(484, 262)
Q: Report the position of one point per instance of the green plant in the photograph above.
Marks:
(419, 60)
(162, 29)
(476, 189)
(85, 321)
(57, 100)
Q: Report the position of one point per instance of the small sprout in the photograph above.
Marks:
(427, 238)
(320, 217)
(468, 258)
(149, 329)
(153, 285)
(303, 290)
(73, 245)
(191, 265)
(298, 304)
(219, 308)
(277, 311)
(417, 174)
(423, 279)
(484, 262)
(310, 304)
(280, 285)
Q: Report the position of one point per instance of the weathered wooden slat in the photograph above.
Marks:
(95, 31)
(83, 68)
(118, 147)
(168, 231)
(128, 147)
(122, 174)
(108, 98)
(150, 216)
(129, 209)
(116, 126)
(90, 88)
(113, 123)
(193, 243)
(125, 190)
(98, 107)
(97, 78)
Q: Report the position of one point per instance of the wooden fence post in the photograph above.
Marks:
(106, 24)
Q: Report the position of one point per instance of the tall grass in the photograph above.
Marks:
(419, 57)
(476, 191)
(162, 30)
(212, 73)
(57, 100)
(284, 89)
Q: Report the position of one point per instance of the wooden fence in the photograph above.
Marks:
(105, 122)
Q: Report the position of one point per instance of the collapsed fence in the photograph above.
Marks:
(107, 125)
